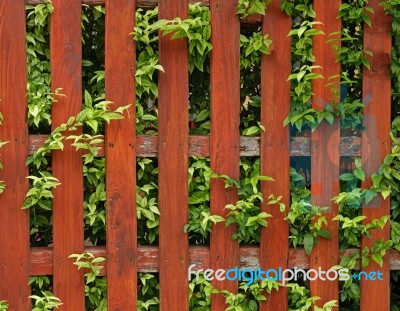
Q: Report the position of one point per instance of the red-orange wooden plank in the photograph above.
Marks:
(173, 146)
(224, 139)
(121, 158)
(325, 143)
(66, 55)
(275, 146)
(14, 222)
(377, 87)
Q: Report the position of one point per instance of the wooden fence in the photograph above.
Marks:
(173, 146)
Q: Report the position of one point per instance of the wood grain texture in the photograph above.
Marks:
(376, 144)
(275, 146)
(147, 260)
(66, 72)
(14, 222)
(325, 150)
(224, 137)
(121, 158)
(173, 146)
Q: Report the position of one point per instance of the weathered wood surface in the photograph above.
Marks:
(173, 146)
(147, 260)
(275, 147)
(199, 146)
(376, 144)
(325, 153)
(121, 149)
(224, 136)
(14, 222)
(66, 73)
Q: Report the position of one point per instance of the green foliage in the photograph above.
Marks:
(39, 196)
(148, 289)
(349, 47)
(200, 294)
(202, 222)
(146, 33)
(302, 8)
(40, 192)
(2, 143)
(40, 98)
(356, 11)
(246, 213)
(300, 300)
(248, 7)
(252, 47)
(376, 252)
(351, 53)
(95, 197)
(3, 305)
(248, 218)
(46, 302)
(147, 59)
(196, 29)
(385, 181)
(95, 287)
(199, 223)
(39, 283)
(306, 224)
(249, 296)
(147, 208)
(395, 234)
(90, 116)
(303, 68)
(303, 34)
(392, 8)
(350, 291)
(147, 201)
(90, 262)
(247, 299)
(352, 229)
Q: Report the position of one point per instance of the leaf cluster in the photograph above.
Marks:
(46, 302)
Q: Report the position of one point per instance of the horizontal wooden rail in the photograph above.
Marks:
(42, 258)
(199, 146)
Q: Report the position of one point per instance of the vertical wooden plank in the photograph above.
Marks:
(14, 241)
(121, 158)
(275, 146)
(376, 86)
(173, 144)
(66, 72)
(325, 150)
(224, 140)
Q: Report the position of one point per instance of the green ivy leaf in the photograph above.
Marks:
(308, 243)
